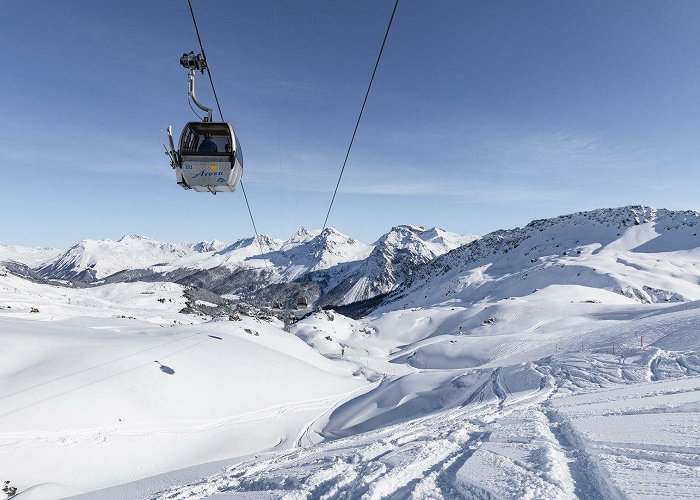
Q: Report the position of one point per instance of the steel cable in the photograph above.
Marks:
(359, 117)
(216, 98)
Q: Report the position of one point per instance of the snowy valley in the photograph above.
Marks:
(557, 360)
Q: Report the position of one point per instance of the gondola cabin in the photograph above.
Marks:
(209, 158)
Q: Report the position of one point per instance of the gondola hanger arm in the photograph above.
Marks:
(195, 63)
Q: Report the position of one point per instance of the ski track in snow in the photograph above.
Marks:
(533, 446)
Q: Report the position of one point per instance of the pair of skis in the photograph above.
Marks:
(171, 153)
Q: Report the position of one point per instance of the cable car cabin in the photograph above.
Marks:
(210, 158)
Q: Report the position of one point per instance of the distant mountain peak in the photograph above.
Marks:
(208, 246)
(434, 232)
(407, 227)
(268, 242)
(133, 237)
(329, 231)
(241, 243)
(263, 242)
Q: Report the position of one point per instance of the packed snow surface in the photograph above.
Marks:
(560, 360)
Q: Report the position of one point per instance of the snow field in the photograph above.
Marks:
(119, 399)
(133, 300)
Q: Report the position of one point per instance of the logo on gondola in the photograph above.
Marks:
(214, 172)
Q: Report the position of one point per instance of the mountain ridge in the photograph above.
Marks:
(610, 248)
(315, 266)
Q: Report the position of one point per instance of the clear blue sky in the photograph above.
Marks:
(484, 115)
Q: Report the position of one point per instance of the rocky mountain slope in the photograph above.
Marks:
(394, 258)
(640, 252)
(311, 267)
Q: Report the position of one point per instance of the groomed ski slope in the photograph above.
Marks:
(582, 424)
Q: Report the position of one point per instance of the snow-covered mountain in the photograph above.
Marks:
(395, 257)
(272, 270)
(244, 252)
(640, 252)
(325, 267)
(247, 247)
(332, 268)
(91, 260)
(634, 251)
(307, 251)
(32, 257)
(208, 246)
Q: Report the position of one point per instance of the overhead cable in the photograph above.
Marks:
(359, 117)
(213, 89)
